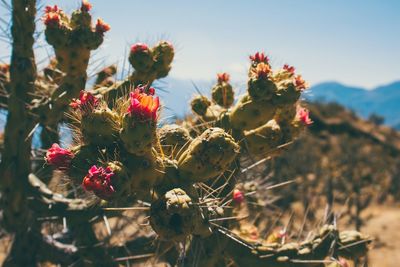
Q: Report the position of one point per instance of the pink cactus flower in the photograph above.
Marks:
(49, 9)
(259, 57)
(98, 180)
(304, 115)
(86, 102)
(238, 196)
(59, 157)
(223, 77)
(142, 106)
(51, 19)
(288, 68)
(139, 47)
(102, 27)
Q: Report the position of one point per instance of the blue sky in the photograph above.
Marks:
(354, 42)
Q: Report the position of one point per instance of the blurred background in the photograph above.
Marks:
(347, 50)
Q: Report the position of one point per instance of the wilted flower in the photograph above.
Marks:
(59, 157)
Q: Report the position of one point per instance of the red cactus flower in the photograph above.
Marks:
(262, 70)
(86, 102)
(223, 77)
(139, 47)
(51, 19)
(98, 180)
(102, 27)
(143, 106)
(304, 116)
(238, 196)
(300, 83)
(288, 68)
(49, 9)
(259, 57)
(86, 6)
(59, 157)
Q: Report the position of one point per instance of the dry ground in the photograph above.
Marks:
(383, 225)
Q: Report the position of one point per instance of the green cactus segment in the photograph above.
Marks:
(141, 58)
(144, 172)
(163, 56)
(85, 156)
(174, 216)
(100, 127)
(73, 39)
(263, 140)
(200, 105)
(120, 179)
(248, 114)
(260, 84)
(151, 63)
(137, 136)
(173, 139)
(105, 76)
(208, 155)
(222, 93)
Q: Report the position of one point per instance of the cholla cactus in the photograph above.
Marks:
(191, 180)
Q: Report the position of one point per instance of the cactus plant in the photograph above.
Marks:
(120, 156)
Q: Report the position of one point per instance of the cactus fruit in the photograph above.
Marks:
(174, 216)
(208, 155)
(173, 139)
(222, 93)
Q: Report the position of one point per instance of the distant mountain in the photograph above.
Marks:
(383, 101)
